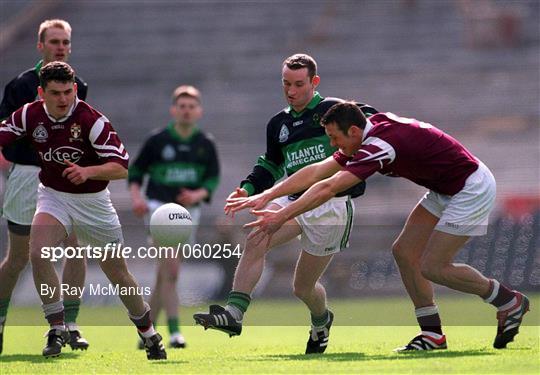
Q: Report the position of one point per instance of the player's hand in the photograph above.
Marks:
(266, 225)
(237, 193)
(4, 164)
(75, 173)
(188, 197)
(139, 206)
(256, 202)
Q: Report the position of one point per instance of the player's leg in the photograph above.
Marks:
(11, 267)
(248, 273)
(115, 268)
(466, 214)
(47, 231)
(18, 209)
(74, 275)
(96, 222)
(407, 251)
(168, 273)
(307, 288)
(155, 302)
(437, 266)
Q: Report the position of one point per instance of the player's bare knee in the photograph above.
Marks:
(169, 277)
(302, 291)
(16, 263)
(119, 277)
(254, 249)
(401, 253)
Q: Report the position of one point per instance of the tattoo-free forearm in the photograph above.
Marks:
(107, 171)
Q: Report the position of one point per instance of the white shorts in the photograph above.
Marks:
(325, 229)
(21, 194)
(467, 212)
(195, 213)
(91, 216)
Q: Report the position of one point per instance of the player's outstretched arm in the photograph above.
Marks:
(270, 221)
(299, 181)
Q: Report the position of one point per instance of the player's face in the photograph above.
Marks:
(58, 97)
(349, 142)
(56, 46)
(186, 111)
(298, 87)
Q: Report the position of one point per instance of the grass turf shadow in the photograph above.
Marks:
(358, 356)
(35, 358)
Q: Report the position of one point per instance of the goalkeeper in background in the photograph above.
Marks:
(182, 165)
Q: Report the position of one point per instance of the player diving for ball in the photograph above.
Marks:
(460, 198)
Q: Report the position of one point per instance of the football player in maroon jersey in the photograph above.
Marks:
(80, 152)
(461, 196)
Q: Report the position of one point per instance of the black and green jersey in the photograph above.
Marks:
(172, 163)
(295, 140)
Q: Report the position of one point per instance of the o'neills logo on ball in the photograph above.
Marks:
(179, 216)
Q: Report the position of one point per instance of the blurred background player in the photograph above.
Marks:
(80, 153)
(457, 206)
(182, 166)
(54, 44)
(294, 140)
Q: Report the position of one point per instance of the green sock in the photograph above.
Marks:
(4, 304)
(320, 321)
(174, 326)
(71, 310)
(239, 300)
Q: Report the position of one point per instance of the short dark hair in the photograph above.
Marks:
(344, 115)
(56, 71)
(301, 60)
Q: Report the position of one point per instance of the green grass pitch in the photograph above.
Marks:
(360, 342)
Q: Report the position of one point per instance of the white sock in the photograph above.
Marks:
(149, 332)
(61, 328)
(177, 337)
(506, 306)
(494, 291)
(235, 312)
(434, 335)
(72, 327)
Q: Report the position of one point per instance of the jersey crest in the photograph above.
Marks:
(283, 134)
(168, 153)
(40, 134)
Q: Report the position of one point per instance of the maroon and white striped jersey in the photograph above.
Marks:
(84, 137)
(402, 147)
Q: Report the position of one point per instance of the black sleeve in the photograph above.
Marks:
(211, 176)
(14, 98)
(140, 166)
(269, 167)
(366, 109)
(82, 88)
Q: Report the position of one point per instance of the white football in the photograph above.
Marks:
(170, 225)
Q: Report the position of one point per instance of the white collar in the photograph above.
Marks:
(68, 114)
(367, 128)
